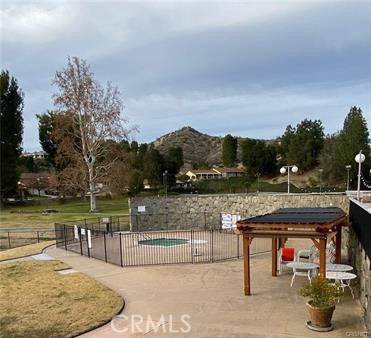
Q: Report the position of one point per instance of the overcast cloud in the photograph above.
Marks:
(245, 68)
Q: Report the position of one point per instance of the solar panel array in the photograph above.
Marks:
(299, 216)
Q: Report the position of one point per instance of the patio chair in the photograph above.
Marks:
(330, 253)
(303, 255)
(287, 255)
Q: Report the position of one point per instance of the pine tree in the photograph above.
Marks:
(354, 137)
(341, 148)
(47, 142)
(229, 150)
(11, 122)
(302, 145)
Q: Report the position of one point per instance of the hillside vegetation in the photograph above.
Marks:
(196, 145)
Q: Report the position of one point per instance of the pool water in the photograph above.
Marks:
(164, 241)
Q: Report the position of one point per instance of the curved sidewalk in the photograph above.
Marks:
(212, 296)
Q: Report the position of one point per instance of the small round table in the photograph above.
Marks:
(338, 267)
(302, 269)
(343, 278)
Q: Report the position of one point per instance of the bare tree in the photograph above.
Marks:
(95, 116)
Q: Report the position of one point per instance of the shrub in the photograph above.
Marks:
(322, 293)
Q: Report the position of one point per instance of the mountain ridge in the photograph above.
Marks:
(197, 146)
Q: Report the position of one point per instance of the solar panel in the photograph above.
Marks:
(298, 216)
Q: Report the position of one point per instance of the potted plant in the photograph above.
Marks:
(323, 296)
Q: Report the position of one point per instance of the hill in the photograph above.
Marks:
(196, 145)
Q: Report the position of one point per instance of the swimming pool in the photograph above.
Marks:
(164, 242)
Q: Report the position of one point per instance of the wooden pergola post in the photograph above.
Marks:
(338, 244)
(246, 264)
(322, 258)
(274, 256)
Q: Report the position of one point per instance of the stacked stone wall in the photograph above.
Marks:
(245, 205)
(361, 262)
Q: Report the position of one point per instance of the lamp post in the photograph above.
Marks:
(164, 181)
(258, 177)
(38, 185)
(20, 189)
(286, 168)
(348, 167)
(320, 180)
(359, 159)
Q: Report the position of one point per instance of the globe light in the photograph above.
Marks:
(360, 158)
(286, 169)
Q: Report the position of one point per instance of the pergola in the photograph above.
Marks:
(317, 224)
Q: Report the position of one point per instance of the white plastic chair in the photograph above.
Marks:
(303, 254)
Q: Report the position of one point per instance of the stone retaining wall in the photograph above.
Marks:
(361, 263)
(246, 205)
(203, 211)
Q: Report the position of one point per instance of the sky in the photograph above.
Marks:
(246, 68)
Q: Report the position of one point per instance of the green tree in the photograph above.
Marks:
(153, 167)
(229, 150)
(26, 164)
(352, 138)
(332, 171)
(174, 157)
(125, 145)
(140, 155)
(258, 157)
(173, 161)
(302, 145)
(201, 164)
(11, 124)
(135, 182)
(134, 147)
(46, 127)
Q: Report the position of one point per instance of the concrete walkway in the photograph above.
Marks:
(210, 298)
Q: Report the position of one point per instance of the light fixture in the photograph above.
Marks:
(359, 158)
(287, 168)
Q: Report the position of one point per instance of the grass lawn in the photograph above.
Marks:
(27, 250)
(32, 216)
(38, 302)
(242, 185)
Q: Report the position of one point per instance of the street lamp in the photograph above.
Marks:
(258, 176)
(348, 167)
(164, 181)
(38, 185)
(359, 159)
(320, 180)
(20, 189)
(286, 168)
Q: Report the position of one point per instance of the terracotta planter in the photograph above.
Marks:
(320, 317)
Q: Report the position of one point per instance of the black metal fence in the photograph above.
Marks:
(361, 224)
(157, 247)
(175, 220)
(110, 224)
(16, 238)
